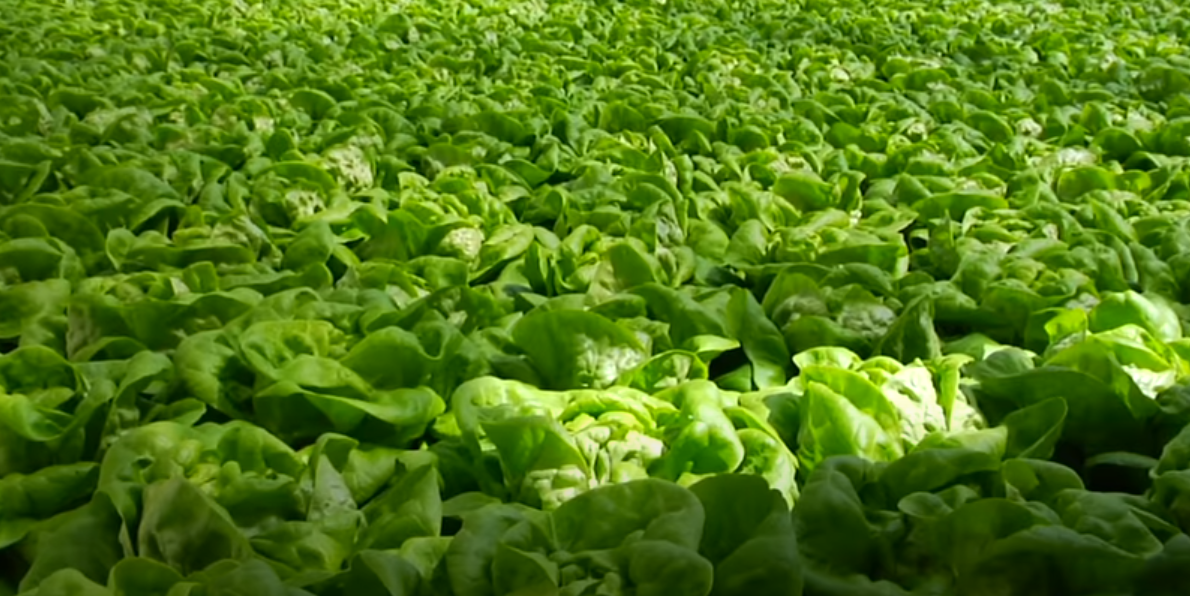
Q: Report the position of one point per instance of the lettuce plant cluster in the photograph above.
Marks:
(594, 298)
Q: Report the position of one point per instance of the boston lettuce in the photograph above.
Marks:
(510, 297)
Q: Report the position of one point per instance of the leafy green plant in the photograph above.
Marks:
(509, 297)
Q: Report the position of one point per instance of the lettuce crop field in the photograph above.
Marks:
(594, 298)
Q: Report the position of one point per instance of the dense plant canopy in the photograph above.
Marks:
(578, 298)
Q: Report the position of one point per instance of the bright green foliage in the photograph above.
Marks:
(594, 298)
